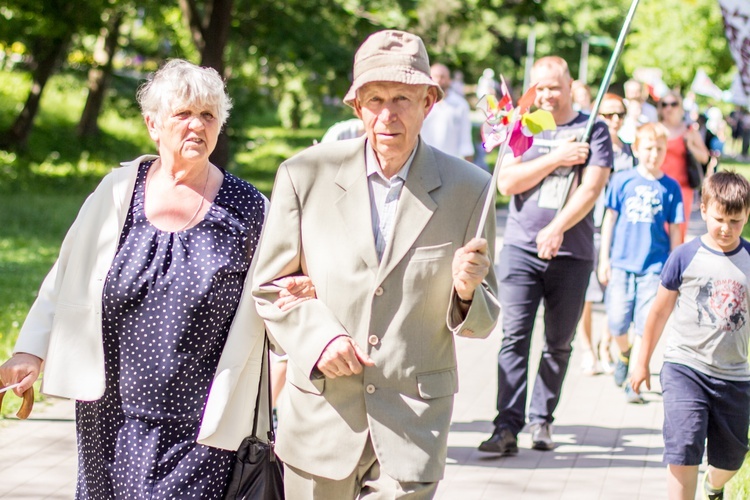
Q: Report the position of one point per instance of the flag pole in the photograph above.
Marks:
(603, 88)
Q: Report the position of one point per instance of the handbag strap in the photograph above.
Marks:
(266, 361)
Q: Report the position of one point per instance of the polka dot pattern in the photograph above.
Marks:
(168, 303)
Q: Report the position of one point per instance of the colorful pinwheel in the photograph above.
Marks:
(515, 125)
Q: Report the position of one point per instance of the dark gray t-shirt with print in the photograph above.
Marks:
(532, 210)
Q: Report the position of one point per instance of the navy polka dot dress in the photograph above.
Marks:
(169, 301)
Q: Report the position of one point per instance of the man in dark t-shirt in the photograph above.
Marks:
(547, 255)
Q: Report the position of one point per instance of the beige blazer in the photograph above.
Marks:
(400, 310)
(64, 325)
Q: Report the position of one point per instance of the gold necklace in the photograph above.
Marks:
(200, 205)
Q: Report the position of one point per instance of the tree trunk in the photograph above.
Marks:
(192, 17)
(210, 38)
(45, 63)
(99, 76)
(216, 35)
(215, 40)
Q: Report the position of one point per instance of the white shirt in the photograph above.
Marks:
(384, 195)
(448, 126)
(649, 111)
(631, 124)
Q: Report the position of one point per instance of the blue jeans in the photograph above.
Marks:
(628, 299)
(526, 280)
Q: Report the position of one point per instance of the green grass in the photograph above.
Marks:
(29, 242)
(739, 486)
(264, 150)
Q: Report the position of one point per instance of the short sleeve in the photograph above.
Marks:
(676, 213)
(602, 154)
(677, 262)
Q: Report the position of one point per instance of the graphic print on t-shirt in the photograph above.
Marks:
(722, 303)
(644, 206)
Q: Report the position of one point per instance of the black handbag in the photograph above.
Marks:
(695, 171)
(258, 473)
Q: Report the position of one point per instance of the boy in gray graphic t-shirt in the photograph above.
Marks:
(706, 377)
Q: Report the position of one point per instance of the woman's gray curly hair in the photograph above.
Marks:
(180, 84)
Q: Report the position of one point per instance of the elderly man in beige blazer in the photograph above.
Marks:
(383, 225)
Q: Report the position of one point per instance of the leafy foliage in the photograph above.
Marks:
(289, 60)
(679, 37)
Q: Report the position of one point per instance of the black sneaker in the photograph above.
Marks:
(541, 437)
(502, 441)
(709, 493)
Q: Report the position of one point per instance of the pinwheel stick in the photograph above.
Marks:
(603, 88)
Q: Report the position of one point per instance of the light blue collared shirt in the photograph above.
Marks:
(384, 195)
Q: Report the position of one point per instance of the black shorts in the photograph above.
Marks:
(698, 407)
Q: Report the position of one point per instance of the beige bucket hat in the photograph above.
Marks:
(391, 56)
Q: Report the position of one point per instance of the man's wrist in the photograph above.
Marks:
(463, 301)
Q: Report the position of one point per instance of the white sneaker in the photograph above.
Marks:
(589, 364)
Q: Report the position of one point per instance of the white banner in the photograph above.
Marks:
(703, 85)
(737, 26)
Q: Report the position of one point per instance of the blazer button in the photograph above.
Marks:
(370, 389)
(373, 340)
(379, 291)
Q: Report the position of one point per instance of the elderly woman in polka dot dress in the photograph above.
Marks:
(145, 318)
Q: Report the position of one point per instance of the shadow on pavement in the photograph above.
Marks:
(581, 446)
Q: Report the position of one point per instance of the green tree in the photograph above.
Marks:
(679, 37)
(46, 29)
(100, 72)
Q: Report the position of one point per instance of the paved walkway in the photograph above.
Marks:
(607, 449)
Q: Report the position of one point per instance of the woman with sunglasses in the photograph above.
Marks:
(612, 111)
(682, 137)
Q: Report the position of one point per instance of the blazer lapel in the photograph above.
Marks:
(415, 208)
(354, 205)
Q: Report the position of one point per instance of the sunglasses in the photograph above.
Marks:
(609, 116)
(670, 104)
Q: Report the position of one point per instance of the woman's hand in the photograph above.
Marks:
(294, 290)
(22, 368)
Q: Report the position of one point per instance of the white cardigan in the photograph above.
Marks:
(64, 325)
